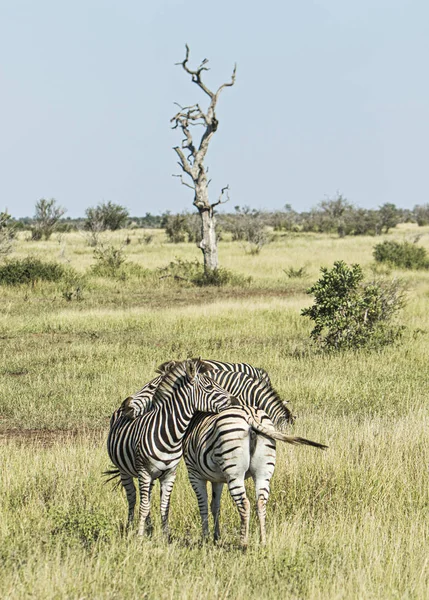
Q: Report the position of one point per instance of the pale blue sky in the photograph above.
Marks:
(330, 95)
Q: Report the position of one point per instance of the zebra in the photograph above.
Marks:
(271, 402)
(137, 404)
(259, 451)
(150, 446)
(255, 372)
(225, 448)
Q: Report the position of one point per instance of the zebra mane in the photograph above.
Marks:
(169, 365)
(166, 367)
(276, 398)
(288, 414)
(174, 371)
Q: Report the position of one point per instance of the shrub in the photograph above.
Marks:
(7, 233)
(72, 285)
(106, 216)
(175, 228)
(349, 313)
(46, 218)
(249, 226)
(87, 526)
(403, 255)
(29, 270)
(298, 273)
(192, 271)
(109, 260)
(146, 238)
(421, 214)
(182, 227)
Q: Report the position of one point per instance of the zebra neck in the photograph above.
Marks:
(269, 402)
(173, 419)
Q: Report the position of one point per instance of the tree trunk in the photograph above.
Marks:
(193, 164)
(208, 242)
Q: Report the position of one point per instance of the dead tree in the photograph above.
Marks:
(192, 155)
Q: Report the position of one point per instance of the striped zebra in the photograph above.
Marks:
(256, 452)
(229, 448)
(138, 403)
(255, 372)
(270, 402)
(150, 446)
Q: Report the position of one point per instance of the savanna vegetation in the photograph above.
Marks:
(351, 522)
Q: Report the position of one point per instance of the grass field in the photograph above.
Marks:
(352, 522)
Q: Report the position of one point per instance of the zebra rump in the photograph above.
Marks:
(229, 448)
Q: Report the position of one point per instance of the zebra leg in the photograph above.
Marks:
(238, 494)
(215, 508)
(200, 488)
(262, 466)
(130, 490)
(149, 524)
(145, 486)
(167, 482)
(262, 488)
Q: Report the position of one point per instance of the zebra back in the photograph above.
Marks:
(246, 368)
(250, 390)
(258, 393)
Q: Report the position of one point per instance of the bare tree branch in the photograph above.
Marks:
(220, 201)
(184, 163)
(193, 115)
(193, 164)
(184, 182)
(231, 83)
(196, 75)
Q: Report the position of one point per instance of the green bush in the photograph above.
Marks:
(87, 526)
(351, 313)
(48, 213)
(183, 227)
(7, 233)
(29, 270)
(107, 215)
(403, 255)
(72, 286)
(109, 261)
(192, 271)
(421, 214)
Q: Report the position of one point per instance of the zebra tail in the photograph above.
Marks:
(276, 435)
(112, 474)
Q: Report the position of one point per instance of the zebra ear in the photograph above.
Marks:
(204, 367)
(166, 367)
(127, 408)
(191, 369)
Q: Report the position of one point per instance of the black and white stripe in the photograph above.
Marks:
(264, 395)
(138, 403)
(237, 444)
(149, 447)
(233, 446)
(248, 369)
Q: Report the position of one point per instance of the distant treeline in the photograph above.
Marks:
(336, 215)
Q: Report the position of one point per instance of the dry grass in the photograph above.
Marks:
(348, 523)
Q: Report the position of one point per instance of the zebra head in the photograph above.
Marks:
(198, 390)
(206, 394)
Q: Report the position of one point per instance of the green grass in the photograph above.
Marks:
(348, 523)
